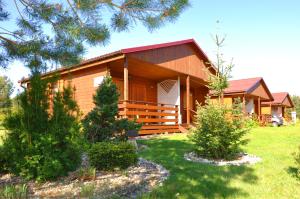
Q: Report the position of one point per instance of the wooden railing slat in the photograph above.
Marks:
(154, 120)
(159, 127)
(148, 113)
(144, 132)
(153, 117)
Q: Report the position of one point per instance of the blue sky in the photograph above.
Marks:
(262, 37)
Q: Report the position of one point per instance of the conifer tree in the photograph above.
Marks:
(58, 31)
(41, 143)
(101, 123)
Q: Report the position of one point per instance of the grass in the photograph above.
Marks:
(274, 177)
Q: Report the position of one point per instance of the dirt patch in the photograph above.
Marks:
(129, 183)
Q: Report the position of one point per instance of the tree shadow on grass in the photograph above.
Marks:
(293, 171)
(193, 180)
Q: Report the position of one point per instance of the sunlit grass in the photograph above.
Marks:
(274, 177)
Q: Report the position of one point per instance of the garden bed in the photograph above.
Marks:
(242, 159)
(127, 184)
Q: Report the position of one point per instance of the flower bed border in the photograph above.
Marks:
(245, 159)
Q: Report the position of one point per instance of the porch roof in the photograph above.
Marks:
(280, 99)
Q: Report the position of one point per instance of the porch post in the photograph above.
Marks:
(125, 85)
(188, 100)
(244, 104)
(179, 102)
(259, 109)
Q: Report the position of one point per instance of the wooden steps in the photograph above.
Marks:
(157, 129)
(183, 129)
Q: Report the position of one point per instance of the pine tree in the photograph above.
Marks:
(101, 123)
(42, 139)
(58, 31)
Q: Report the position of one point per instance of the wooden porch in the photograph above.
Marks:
(158, 88)
(139, 97)
(155, 117)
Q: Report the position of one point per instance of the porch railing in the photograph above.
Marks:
(149, 113)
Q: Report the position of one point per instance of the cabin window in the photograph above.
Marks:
(98, 81)
(55, 87)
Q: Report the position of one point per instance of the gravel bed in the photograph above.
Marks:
(129, 183)
(242, 160)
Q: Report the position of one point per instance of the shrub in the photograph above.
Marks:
(251, 122)
(219, 131)
(42, 142)
(3, 160)
(86, 173)
(14, 192)
(101, 123)
(87, 191)
(297, 160)
(112, 155)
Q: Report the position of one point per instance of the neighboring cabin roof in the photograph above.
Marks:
(281, 99)
(246, 86)
(128, 51)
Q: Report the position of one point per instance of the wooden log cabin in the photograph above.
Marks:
(277, 107)
(252, 92)
(158, 84)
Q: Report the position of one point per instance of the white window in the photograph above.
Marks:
(98, 81)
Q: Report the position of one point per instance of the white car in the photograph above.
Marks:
(277, 121)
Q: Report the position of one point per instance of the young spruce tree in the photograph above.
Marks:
(220, 128)
(101, 123)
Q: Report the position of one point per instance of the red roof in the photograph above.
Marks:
(246, 86)
(132, 50)
(148, 47)
(279, 99)
(242, 85)
(164, 45)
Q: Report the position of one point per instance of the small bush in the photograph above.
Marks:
(3, 160)
(86, 173)
(219, 131)
(14, 192)
(87, 191)
(251, 123)
(297, 159)
(112, 155)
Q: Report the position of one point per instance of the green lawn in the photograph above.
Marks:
(274, 177)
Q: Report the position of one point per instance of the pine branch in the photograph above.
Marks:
(7, 40)
(76, 13)
(17, 7)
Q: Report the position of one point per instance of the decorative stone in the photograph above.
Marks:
(129, 183)
(244, 158)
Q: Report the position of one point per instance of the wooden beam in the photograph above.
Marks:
(125, 85)
(259, 108)
(188, 113)
(66, 70)
(244, 105)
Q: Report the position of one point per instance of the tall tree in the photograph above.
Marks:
(219, 82)
(52, 32)
(6, 89)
